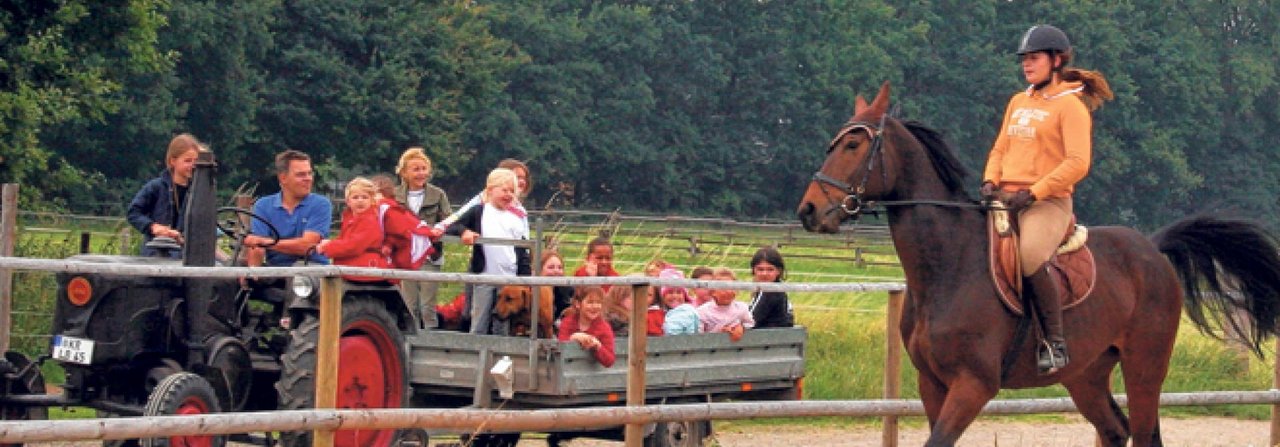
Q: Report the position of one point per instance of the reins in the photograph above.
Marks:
(853, 203)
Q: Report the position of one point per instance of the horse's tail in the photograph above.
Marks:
(1226, 266)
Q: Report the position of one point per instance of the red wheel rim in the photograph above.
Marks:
(191, 406)
(370, 375)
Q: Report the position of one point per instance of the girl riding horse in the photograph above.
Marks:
(1042, 151)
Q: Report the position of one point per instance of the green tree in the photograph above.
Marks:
(359, 80)
(65, 62)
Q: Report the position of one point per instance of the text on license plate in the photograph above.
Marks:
(72, 349)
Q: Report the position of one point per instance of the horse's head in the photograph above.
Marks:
(858, 168)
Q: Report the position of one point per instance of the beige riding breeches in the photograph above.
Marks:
(1041, 228)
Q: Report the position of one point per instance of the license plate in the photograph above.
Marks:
(73, 349)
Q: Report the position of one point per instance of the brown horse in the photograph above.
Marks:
(967, 345)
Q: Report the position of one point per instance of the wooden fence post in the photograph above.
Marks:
(1275, 408)
(327, 352)
(637, 343)
(124, 240)
(8, 238)
(892, 364)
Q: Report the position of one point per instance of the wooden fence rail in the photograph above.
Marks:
(469, 420)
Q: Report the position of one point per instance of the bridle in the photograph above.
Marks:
(853, 203)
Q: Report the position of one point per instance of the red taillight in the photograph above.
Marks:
(79, 291)
(800, 388)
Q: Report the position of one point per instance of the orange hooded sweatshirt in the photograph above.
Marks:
(1045, 142)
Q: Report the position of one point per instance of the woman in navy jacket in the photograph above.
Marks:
(158, 207)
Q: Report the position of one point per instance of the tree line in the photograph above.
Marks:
(702, 107)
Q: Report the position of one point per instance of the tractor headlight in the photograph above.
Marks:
(302, 286)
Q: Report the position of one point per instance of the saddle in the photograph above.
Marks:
(1073, 264)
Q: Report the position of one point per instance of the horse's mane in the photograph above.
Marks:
(950, 170)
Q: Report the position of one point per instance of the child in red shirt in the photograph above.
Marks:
(359, 243)
(407, 240)
(584, 324)
(656, 316)
(599, 260)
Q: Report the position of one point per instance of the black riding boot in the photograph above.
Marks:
(1044, 290)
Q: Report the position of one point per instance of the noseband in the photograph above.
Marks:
(853, 204)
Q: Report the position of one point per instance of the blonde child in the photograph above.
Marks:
(724, 313)
(495, 219)
(584, 324)
(359, 243)
(681, 317)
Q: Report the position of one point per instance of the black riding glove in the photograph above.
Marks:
(1019, 200)
(988, 191)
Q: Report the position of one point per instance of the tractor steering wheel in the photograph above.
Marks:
(235, 228)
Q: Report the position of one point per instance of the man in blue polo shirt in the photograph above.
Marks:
(302, 218)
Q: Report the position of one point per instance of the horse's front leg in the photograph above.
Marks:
(965, 397)
(932, 393)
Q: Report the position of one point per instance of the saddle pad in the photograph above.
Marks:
(1075, 270)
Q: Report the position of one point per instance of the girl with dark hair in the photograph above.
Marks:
(1042, 151)
(770, 309)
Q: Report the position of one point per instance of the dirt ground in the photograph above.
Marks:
(1197, 432)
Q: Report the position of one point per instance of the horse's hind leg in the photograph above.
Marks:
(1091, 391)
(1144, 373)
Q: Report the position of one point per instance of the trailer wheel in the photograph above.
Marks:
(679, 433)
(28, 381)
(372, 370)
(414, 437)
(491, 440)
(183, 394)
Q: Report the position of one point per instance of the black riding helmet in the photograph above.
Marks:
(1044, 38)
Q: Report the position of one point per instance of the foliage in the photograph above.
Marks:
(711, 108)
(63, 62)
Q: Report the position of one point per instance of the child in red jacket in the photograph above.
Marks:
(359, 243)
(407, 240)
(584, 324)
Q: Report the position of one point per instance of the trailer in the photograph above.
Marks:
(450, 369)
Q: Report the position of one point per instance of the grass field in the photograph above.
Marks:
(846, 330)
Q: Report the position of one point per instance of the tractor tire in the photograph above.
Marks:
(183, 394)
(372, 370)
(29, 382)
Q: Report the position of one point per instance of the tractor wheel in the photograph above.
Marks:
(29, 382)
(372, 370)
(182, 394)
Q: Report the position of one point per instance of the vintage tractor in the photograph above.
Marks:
(161, 345)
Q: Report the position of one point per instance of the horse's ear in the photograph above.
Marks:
(880, 105)
(859, 104)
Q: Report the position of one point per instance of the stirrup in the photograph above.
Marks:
(1052, 356)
